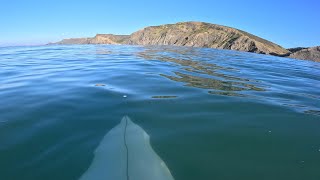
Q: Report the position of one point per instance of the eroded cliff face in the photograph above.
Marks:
(198, 34)
(312, 53)
(195, 34)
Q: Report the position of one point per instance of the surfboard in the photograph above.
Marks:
(125, 153)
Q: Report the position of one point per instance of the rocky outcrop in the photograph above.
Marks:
(195, 34)
(312, 53)
(200, 34)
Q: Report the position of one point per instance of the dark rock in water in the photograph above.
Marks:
(312, 53)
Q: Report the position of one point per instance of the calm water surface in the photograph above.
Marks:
(211, 114)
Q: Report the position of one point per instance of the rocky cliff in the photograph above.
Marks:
(200, 34)
(312, 53)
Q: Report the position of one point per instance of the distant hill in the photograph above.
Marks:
(198, 34)
(194, 34)
(98, 39)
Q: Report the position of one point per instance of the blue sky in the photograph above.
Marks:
(288, 23)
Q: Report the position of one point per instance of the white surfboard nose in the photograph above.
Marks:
(126, 118)
(125, 153)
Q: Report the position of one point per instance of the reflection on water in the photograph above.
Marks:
(227, 73)
(314, 112)
(163, 97)
(199, 74)
(211, 83)
(227, 93)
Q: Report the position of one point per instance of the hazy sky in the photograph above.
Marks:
(288, 23)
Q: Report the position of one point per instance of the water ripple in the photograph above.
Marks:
(198, 105)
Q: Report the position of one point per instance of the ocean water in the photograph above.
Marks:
(210, 114)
